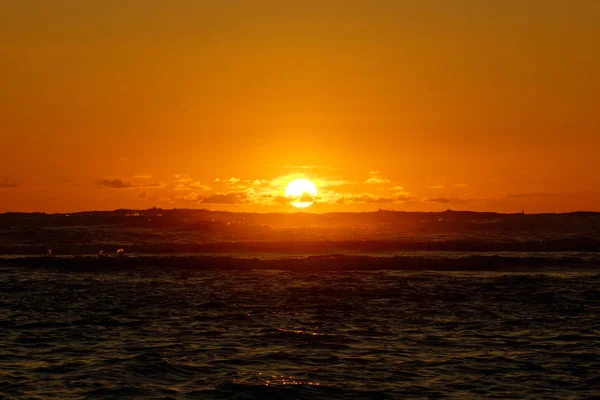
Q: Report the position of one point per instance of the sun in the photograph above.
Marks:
(301, 193)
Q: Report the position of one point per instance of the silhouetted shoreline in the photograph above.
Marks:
(334, 262)
(158, 231)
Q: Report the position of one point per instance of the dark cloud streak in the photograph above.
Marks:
(116, 183)
(227, 198)
(119, 183)
(7, 184)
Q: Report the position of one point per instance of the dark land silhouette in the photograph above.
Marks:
(202, 231)
(185, 238)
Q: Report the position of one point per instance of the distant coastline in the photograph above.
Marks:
(197, 211)
(333, 262)
(158, 231)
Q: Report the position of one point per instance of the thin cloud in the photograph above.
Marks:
(184, 182)
(444, 200)
(152, 185)
(440, 200)
(372, 199)
(116, 183)
(279, 183)
(7, 184)
(233, 197)
(461, 185)
(281, 199)
(270, 199)
(232, 183)
(304, 197)
(142, 196)
(121, 183)
(376, 179)
(436, 187)
(191, 197)
(198, 185)
(530, 194)
(227, 198)
(182, 178)
(142, 176)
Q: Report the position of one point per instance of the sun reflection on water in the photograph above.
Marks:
(300, 331)
(281, 380)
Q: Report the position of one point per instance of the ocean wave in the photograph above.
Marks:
(136, 331)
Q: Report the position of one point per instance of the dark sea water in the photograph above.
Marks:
(148, 332)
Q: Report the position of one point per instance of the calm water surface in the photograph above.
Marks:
(150, 333)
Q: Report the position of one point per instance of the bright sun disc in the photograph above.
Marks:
(301, 193)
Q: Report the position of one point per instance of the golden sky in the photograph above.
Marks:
(407, 105)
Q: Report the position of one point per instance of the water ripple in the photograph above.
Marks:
(148, 333)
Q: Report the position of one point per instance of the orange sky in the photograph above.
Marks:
(428, 105)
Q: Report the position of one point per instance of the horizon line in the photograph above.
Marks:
(296, 212)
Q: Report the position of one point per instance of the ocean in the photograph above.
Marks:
(146, 331)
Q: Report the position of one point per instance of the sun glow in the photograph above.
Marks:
(301, 193)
